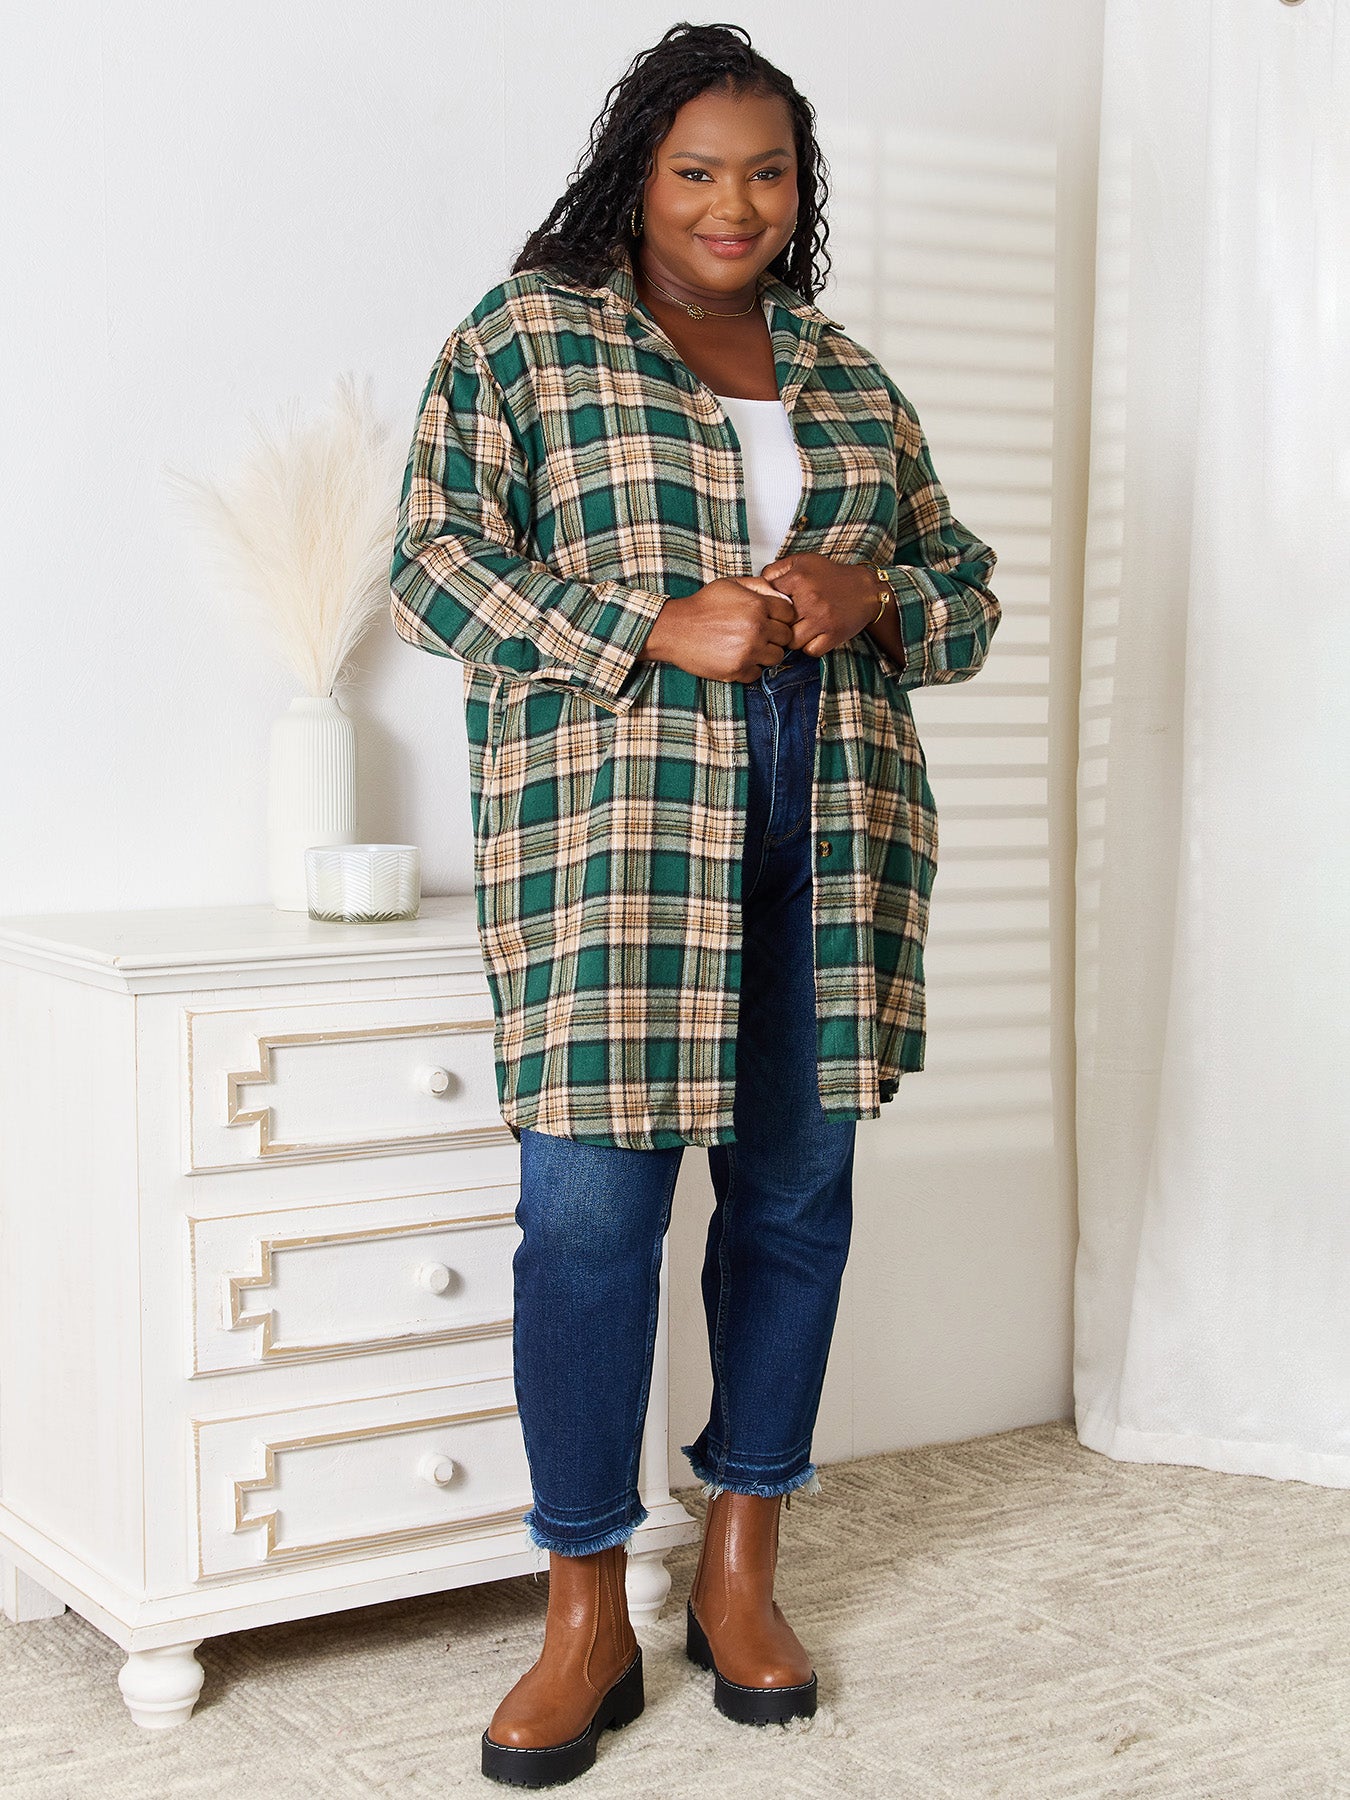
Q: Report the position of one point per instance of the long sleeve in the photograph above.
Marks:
(947, 613)
(459, 583)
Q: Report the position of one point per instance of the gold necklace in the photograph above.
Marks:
(699, 312)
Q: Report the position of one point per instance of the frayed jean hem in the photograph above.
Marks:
(807, 1479)
(545, 1539)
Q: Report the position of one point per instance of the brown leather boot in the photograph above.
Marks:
(734, 1626)
(588, 1676)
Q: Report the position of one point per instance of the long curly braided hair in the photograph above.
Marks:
(591, 221)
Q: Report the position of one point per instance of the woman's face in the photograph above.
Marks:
(725, 170)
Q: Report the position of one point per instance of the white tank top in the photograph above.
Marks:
(773, 472)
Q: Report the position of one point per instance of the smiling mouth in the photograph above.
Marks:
(730, 237)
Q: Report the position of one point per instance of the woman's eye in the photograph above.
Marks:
(686, 172)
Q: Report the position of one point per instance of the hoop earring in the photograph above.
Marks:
(633, 224)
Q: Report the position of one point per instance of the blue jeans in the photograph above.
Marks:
(594, 1217)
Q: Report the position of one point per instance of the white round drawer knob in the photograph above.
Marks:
(433, 1081)
(434, 1277)
(439, 1470)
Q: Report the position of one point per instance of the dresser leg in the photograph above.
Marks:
(161, 1687)
(22, 1600)
(647, 1584)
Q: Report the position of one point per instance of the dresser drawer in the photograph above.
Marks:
(357, 1477)
(298, 1283)
(313, 1082)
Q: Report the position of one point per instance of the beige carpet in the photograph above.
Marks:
(1015, 1617)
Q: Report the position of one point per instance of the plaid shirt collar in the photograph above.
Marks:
(795, 324)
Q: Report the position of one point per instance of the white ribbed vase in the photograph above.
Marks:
(311, 792)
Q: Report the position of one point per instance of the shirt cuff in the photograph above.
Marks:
(614, 623)
(912, 609)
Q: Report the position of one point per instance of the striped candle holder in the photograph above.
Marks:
(363, 883)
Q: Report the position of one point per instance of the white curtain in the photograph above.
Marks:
(1213, 931)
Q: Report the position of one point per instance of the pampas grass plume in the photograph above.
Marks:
(303, 530)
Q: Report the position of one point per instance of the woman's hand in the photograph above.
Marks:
(730, 630)
(834, 600)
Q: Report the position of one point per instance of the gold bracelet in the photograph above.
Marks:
(886, 590)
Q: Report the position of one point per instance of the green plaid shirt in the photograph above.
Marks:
(567, 473)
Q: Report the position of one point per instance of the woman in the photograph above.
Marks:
(686, 538)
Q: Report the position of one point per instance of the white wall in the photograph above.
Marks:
(218, 211)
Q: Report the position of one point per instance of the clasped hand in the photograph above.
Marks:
(735, 627)
(833, 600)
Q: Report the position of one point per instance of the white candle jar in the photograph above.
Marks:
(363, 883)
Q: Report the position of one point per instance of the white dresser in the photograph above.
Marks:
(256, 1228)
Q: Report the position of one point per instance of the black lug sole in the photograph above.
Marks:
(747, 1705)
(549, 1764)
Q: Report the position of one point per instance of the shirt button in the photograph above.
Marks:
(801, 522)
(823, 847)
